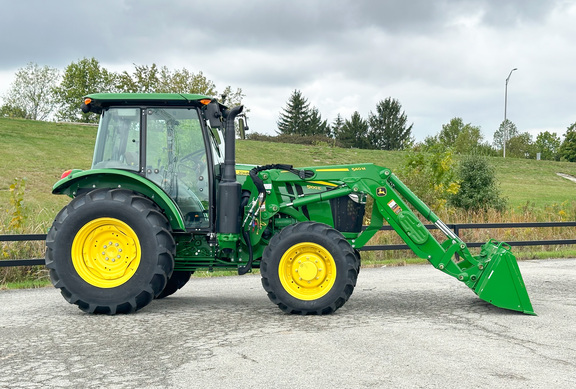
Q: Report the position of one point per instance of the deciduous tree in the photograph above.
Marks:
(32, 92)
(548, 145)
(154, 79)
(507, 130)
(521, 146)
(80, 79)
(451, 131)
(463, 138)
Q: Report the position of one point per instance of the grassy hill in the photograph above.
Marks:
(41, 151)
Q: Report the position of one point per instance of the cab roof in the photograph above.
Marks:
(108, 99)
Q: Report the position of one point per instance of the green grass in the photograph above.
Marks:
(522, 181)
(529, 181)
(28, 284)
(41, 151)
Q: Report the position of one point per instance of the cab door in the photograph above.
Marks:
(177, 161)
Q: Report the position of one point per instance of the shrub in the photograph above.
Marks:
(478, 187)
(430, 176)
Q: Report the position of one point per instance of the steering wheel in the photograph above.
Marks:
(194, 157)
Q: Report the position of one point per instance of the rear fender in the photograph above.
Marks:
(80, 180)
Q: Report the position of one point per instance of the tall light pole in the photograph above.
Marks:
(505, 106)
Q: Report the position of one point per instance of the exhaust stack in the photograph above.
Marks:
(227, 219)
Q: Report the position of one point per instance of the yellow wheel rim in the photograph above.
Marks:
(307, 271)
(106, 252)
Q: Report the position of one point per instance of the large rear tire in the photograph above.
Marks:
(110, 251)
(175, 283)
(309, 268)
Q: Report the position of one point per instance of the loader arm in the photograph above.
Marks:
(493, 274)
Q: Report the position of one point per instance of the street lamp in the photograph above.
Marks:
(505, 105)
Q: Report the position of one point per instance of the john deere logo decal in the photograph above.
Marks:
(381, 192)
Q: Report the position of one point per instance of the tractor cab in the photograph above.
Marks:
(166, 139)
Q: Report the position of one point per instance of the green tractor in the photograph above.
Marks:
(165, 198)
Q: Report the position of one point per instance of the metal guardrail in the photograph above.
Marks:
(21, 238)
(455, 227)
(477, 226)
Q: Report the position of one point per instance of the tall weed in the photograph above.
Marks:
(14, 222)
(565, 211)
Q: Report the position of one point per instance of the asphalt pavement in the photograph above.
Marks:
(403, 327)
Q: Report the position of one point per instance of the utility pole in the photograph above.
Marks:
(505, 106)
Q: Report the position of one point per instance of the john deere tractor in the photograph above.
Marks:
(165, 197)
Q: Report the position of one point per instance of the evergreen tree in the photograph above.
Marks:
(337, 125)
(295, 118)
(317, 126)
(388, 128)
(568, 147)
(354, 132)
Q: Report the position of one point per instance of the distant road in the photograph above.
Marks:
(404, 327)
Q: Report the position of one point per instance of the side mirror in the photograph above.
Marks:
(214, 115)
(243, 127)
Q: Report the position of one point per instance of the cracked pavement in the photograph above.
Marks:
(408, 327)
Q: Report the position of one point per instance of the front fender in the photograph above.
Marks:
(79, 180)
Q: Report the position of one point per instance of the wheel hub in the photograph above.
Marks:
(106, 252)
(307, 271)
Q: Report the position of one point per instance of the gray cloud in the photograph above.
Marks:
(441, 58)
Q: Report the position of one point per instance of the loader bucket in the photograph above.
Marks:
(501, 283)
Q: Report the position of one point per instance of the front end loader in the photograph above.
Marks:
(165, 198)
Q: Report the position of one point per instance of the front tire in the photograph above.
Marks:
(309, 268)
(110, 251)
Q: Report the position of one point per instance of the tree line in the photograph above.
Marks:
(44, 92)
(387, 129)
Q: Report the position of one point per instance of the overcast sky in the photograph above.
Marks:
(439, 58)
